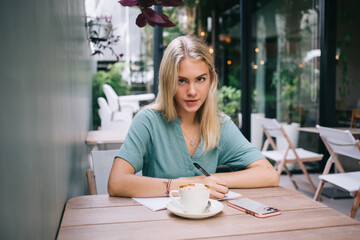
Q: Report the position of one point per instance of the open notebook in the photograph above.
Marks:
(159, 203)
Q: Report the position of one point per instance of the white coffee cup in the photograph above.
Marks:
(194, 197)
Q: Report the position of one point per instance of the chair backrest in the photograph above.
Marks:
(340, 142)
(111, 97)
(102, 163)
(105, 112)
(272, 126)
(113, 121)
(273, 129)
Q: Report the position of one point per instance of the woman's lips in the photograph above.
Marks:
(191, 102)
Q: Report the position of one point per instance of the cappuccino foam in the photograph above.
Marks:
(194, 186)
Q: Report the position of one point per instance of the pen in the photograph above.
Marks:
(201, 169)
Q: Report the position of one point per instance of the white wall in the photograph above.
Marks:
(45, 93)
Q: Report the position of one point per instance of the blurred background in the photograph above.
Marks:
(296, 61)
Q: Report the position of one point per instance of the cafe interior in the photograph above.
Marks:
(294, 62)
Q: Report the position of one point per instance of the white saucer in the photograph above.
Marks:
(214, 209)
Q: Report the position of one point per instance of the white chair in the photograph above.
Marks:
(343, 143)
(273, 129)
(113, 120)
(132, 102)
(112, 98)
(97, 177)
(126, 103)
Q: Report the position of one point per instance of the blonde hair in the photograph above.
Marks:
(180, 48)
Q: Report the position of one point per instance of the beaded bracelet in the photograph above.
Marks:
(168, 183)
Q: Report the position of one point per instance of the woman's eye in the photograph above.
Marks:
(181, 81)
(201, 79)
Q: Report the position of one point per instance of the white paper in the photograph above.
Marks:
(160, 203)
(231, 195)
(154, 204)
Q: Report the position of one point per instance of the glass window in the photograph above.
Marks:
(286, 66)
(286, 60)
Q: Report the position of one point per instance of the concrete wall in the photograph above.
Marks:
(45, 92)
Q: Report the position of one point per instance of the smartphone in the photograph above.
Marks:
(253, 208)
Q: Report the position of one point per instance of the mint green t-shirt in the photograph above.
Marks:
(158, 148)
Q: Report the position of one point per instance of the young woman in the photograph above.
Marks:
(183, 126)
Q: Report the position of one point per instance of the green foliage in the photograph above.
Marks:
(234, 77)
(174, 13)
(174, 32)
(346, 20)
(289, 81)
(114, 79)
(228, 99)
(289, 78)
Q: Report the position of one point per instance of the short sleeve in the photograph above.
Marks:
(235, 150)
(137, 140)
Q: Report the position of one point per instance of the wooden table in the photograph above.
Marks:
(104, 217)
(354, 131)
(104, 137)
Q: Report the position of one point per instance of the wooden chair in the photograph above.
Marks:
(355, 206)
(354, 117)
(273, 129)
(340, 142)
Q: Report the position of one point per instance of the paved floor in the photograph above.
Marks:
(342, 205)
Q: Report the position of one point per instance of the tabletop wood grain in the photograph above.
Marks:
(104, 217)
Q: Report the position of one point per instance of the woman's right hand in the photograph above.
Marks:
(218, 186)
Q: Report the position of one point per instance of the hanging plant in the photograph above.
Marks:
(101, 36)
(100, 28)
(148, 15)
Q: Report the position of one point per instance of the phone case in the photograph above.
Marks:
(253, 208)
